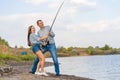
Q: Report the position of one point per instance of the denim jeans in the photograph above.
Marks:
(52, 49)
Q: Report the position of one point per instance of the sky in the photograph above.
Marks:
(80, 23)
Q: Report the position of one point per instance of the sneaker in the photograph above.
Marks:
(44, 74)
(38, 73)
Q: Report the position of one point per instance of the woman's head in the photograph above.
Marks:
(31, 29)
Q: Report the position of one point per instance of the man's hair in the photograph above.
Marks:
(38, 21)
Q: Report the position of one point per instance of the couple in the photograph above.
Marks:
(40, 46)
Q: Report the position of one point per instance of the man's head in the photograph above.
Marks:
(40, 23)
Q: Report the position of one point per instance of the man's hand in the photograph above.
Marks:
(49, 33)
(43, 38)
(46, 37)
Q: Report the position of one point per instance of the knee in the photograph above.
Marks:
(42, 58)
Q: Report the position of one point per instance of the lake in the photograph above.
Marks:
(105, 67)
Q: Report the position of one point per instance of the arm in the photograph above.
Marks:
(51, 33)
(42, 38)
(37, 39)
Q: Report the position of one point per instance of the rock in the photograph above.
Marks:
(5, 69)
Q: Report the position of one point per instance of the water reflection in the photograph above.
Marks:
(95, 67)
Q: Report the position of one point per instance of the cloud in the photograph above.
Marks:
(35, 2)
(84, 3)
(73, 8)
(14, 29)
(54, 3)
(69, 28)
(98, 26)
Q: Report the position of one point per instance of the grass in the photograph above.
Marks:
(15, 57)
(28, 57)
(9, 57)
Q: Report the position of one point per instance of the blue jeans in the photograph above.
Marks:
(52, 49)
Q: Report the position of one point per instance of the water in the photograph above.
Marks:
(95, 67)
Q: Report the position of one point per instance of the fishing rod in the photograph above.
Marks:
(56, 15)
(55, 19)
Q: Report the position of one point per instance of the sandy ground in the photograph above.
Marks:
(21, 72)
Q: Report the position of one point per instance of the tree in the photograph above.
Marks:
(90, 50)
(3, 42)
(106, 47)
(61, 49)
(97, 47)
(114, 51)
(70, 49)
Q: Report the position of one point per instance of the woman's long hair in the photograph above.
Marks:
(28, 37)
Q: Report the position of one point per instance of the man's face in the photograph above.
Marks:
(40, 24)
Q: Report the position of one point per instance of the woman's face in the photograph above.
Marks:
(32, 30)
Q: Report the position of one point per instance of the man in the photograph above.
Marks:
(51, 47)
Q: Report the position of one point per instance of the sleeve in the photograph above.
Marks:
(37, 39)
(38, 34)
(52, 34)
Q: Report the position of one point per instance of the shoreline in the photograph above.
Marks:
(21, 72)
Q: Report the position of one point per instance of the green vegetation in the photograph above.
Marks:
(75, 51)
(3, 42)
(28, 57)
(90, 50)
(19, 58)
(106, 47)
(65, 52)
(16, 54)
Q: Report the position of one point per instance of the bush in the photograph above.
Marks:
(3, 42)
(61, 49)
(106, 47)
(90, 50)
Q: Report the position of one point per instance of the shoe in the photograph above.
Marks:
(38, 73)
(44, 74)
(58, 75)
(30, 72)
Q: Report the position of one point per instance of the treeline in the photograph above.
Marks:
(4, 46)
(76, 51)
(3, 42)
(105, 50)
(70, 51)
(65, 52)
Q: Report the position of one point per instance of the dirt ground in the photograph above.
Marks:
(21, 72)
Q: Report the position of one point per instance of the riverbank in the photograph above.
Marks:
(21, 72)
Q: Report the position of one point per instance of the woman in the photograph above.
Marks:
(35, 42)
